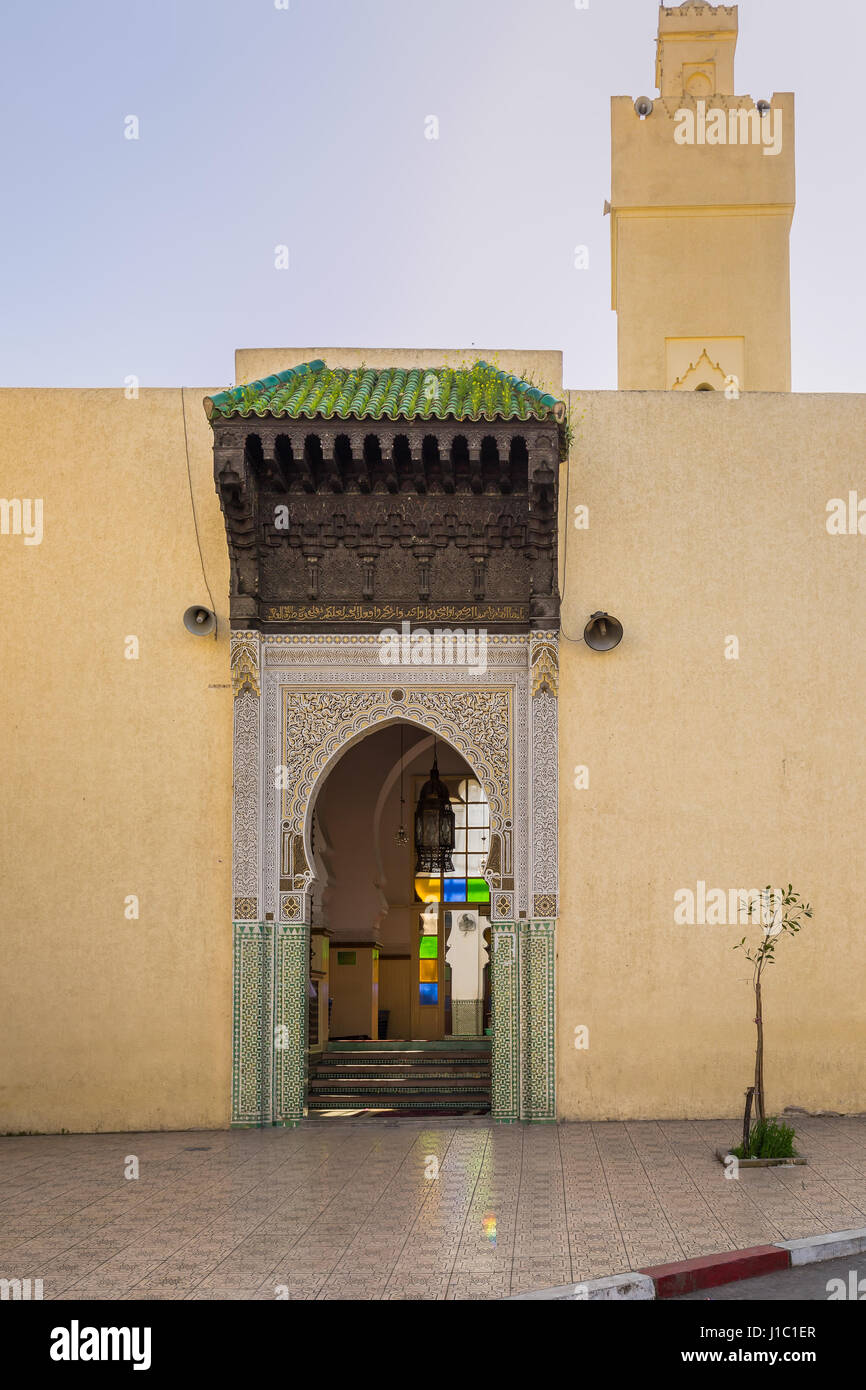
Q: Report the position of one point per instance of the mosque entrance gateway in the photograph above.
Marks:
(400, 994)
(404, 610)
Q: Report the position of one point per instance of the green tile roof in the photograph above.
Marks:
(315, 391)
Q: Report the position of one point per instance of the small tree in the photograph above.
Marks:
(785, 917)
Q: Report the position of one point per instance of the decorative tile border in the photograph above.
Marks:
(246, 769)
(291, 907)
(467, 1017)
(544, 764)
(544, 905)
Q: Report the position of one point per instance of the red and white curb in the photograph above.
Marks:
(708, 1271)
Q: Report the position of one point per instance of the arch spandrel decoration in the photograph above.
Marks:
(300, 804)
(319, 726)
(318, 694)
(320, 691)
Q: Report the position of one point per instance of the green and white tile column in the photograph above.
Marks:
(537, 1021)
(505, 996)
(291, 975)
(252, 973)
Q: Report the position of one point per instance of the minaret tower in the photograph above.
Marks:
(702, 198)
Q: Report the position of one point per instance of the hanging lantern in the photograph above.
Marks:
(434, 827)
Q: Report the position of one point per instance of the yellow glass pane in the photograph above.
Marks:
(427, 889)
(428, 970)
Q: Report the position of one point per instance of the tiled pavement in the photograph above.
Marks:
(338, 1210)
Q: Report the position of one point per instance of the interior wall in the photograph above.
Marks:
(395, 982)
(353, 986)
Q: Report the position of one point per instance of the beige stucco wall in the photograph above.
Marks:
(707, 519)
(117, 773)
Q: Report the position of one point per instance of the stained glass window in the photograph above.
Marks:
(428, 957)
(463, 884)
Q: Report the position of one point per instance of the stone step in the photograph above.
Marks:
(449, 1075)
(414, 1059)
(364, 1085)
(415, 1101)
(434, 1076)
(462, 1043)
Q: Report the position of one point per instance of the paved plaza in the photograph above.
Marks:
(395, 1209)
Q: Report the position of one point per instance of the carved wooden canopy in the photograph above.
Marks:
(357, 523)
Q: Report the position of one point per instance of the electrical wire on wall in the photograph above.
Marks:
(194, 517)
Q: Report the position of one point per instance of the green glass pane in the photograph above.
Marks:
(428, 947)
(479, 890)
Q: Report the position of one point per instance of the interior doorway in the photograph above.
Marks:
(407, 950)
(404, 951)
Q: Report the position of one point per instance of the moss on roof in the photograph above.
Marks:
(313, 390)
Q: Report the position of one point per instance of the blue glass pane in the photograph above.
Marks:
(428, 993)
(455, 890)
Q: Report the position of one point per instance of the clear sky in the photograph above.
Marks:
(304, 127)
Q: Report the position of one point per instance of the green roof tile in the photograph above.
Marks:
(313, 390)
